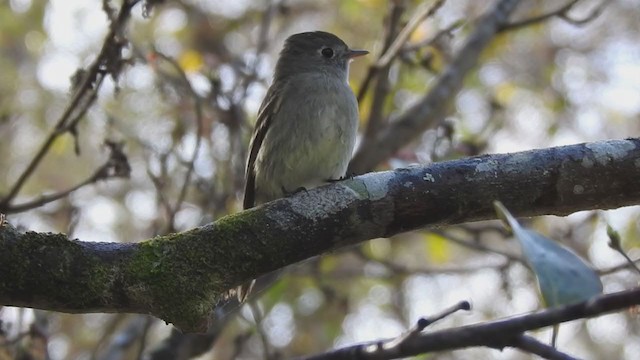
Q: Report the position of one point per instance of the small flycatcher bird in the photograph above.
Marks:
(307, 123)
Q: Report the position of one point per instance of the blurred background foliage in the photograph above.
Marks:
(551, 83)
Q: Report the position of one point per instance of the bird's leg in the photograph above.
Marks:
(341, 178)
(290, 193)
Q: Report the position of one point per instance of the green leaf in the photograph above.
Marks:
(563, 277)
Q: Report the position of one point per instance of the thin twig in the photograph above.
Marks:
(434, 105)
(258, 318)
(117, 166)
(613, 269)
(477, 246)
(262, 45)
(143, 337)
(391, 50)
(488, 333)
(615, 243)
(159, 184)
(84, 96)
(422, 13)
(422, 323)
(533, 346)
(196, 149)
(381, 74)
(427, 42)
(594, 14)
(121, 342)
(407, 270)
(107, 331)
(540, 18)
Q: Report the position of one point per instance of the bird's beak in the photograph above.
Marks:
(355, 53)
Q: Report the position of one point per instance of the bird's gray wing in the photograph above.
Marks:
(269, 107)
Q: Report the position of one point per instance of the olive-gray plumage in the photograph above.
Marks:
(307, 123)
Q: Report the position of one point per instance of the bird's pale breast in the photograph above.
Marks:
(311, 137)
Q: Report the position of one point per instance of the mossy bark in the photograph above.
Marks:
(180, 277)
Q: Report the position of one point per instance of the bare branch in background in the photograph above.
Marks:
(422, 13)
(432, 107)
(562, 12)
(394, 40)
(442, 33)
(109, 62)
(624, 266)
(541, 18)
(117, 166)
(475, 245)
(381, 74)
(262, 44)
(590, 17)
(399, 268)
(121, 342)
(530, 345)
(501, 333)
(196, 148)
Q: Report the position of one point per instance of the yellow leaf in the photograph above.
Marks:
(419, 34)
(505, 92)
(438, 59)
(438, 248)
(380, 248)
(62, 144)
(328, 263)
(190, 61)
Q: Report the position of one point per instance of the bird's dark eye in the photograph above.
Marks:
(327, 52)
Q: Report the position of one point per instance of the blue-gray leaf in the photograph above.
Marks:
(563, 277)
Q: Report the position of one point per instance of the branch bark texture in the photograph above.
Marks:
(179, 277)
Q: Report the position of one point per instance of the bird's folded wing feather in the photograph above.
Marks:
(268, 108)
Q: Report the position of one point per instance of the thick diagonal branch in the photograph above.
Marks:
(180, 277)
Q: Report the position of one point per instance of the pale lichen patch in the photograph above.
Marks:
(377, 184)
(578, 189)
(605, 151)
(319, 202)
(487, 166)
(518, 160)
(428, 177)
